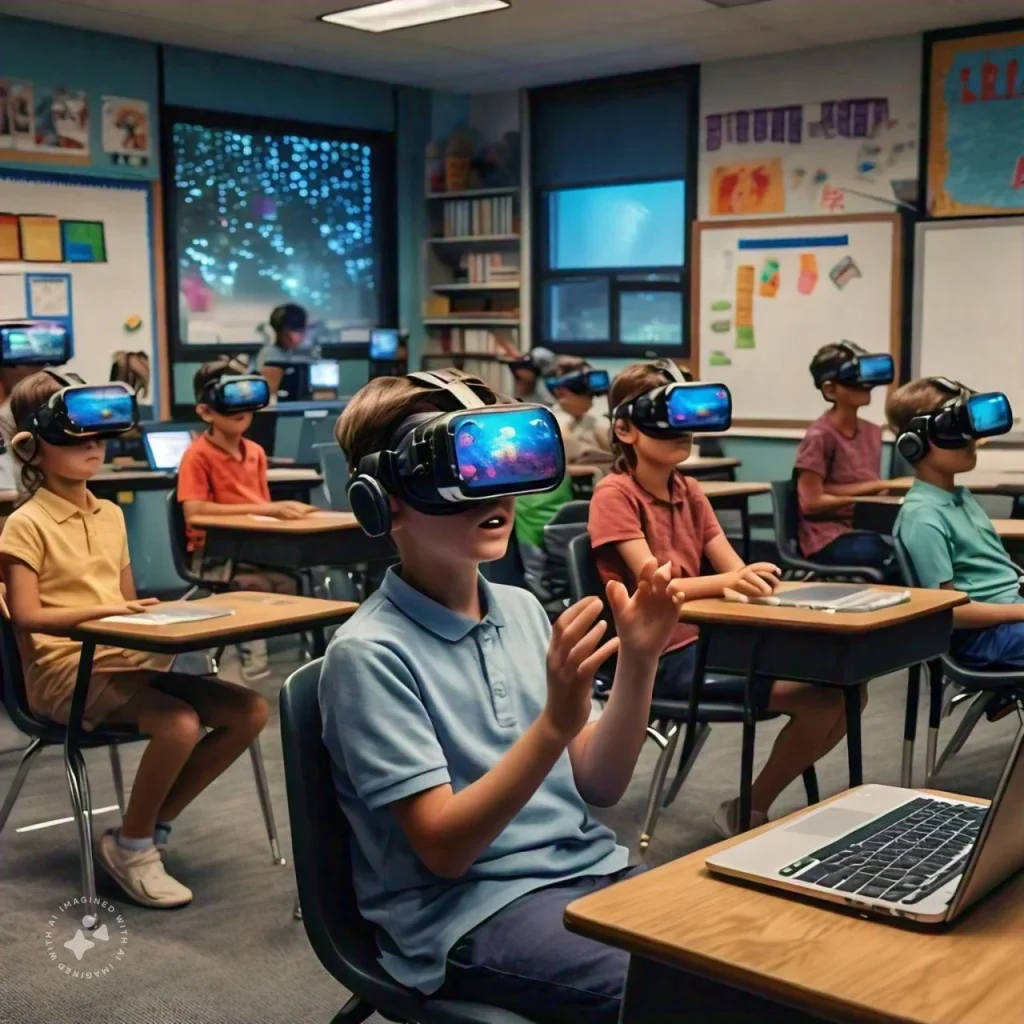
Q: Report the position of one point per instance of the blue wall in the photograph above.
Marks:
(102, 65)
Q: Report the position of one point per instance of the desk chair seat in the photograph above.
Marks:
(785, 519)
(343, 941)
(982, 687)
(718, 705)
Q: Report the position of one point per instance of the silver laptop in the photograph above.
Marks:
(894, 852)
(836, 597)
(164, 448)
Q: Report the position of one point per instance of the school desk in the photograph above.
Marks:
(840, 649)
(727, 495)
(705, 466)
(708, 951)
(255, 616)
(284, 481)
(319, 539)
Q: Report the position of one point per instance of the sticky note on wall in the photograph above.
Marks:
(745, 307)
(41, 240)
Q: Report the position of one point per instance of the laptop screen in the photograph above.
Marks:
(164, 448)
(325, 375)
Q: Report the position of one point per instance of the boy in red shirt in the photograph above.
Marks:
(840, 458)
(224, 473)
(647, 508)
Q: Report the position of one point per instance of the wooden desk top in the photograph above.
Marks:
(275, 475)
(732, 489)
(1009, 529)
(820, 960)
(252, 611)
(315, 522)
(718, 611)
(700, 463)
(878, 499)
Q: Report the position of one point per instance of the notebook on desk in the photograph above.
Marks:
(831, 597)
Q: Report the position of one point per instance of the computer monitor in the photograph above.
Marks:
(325, 375)
(164, 448)
(34, 343)
(384, 342)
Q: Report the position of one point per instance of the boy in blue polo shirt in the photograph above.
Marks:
(458, 724)
(950, 539)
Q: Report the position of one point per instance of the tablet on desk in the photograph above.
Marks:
(829, 597)
(165, 448)
(170, 616)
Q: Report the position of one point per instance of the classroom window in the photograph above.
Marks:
(612, 261)
(260, 215)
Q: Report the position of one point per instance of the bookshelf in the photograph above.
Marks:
(472, 269)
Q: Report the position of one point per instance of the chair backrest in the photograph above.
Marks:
(571, 512)
(907, 570)
(177, 532)
(342, 940)
(334, 469)
(785, 518)
(585, 581)
(12, 680)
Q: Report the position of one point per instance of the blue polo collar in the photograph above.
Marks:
(434, 617)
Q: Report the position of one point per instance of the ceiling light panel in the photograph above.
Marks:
(396, 14)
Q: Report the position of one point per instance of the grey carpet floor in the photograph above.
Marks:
(235, 956)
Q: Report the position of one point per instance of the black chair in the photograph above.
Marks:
(568, 522)
(668, 717)
(43, 733)
(785, 518)
(983, 687)
(343, 941)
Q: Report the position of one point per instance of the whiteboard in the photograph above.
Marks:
(969, 304)
(768, 295)
(103, 296)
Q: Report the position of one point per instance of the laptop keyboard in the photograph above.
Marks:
(901, 857)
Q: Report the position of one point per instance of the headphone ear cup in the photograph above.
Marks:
(911, 446)
(370, 505)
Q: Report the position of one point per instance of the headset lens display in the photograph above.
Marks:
(39, 344)
(699, 407)
(105, 408)
(507, 451)
(876, 370)
(598, 382)
(242, 394)
(989, 414)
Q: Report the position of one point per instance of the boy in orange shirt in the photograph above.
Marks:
(224, 473)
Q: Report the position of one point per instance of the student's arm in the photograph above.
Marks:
(816, 497)
(128, 591)
(978, 615)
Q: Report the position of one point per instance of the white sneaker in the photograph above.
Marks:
(141, 874)
(726, 818)
(253, 660)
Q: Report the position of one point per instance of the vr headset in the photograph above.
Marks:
(855, 368)
(81, 412)
(34, 343)
(679, 407)
(966, 417)
(442, 463)
(233, 393)
(583, 381)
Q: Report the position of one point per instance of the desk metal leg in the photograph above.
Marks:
(934, 717)
(851, 695)
(78, 779)
(696, 685)
(910, 725)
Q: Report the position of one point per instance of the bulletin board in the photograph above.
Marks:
(766, 295)
(80, 251)
(968, 304)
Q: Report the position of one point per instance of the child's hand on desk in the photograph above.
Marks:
(645, 620)
(131, 607)
(573, 660)
(291, 509)
(757, 580)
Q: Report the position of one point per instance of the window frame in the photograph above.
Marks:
(546, 274)
(385, 191)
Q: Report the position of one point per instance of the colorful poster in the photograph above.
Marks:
(62, 121)
(748, 187)
(41, 239)
(976, 136)
(10, 237)
(126, 131)
(17, 115)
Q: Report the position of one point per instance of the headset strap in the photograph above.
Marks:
(444, 380)
(66, 381)
(672, 371)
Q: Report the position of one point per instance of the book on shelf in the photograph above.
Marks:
(490, 267)
(474, 339)
(465, 218)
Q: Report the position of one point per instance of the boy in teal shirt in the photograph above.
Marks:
(947, 534)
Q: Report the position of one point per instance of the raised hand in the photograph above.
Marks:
(645, 619)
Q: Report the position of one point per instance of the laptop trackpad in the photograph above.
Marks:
(832, 821)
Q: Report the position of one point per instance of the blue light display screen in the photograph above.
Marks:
(243, 393)
(103, 407)
(508, 450)
(40, 343)
(877, 370)
(699, 407)
(989, 414)
(383, 344)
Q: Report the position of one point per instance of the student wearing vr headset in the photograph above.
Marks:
(840, 457)
(65, 561)
(946, 533)
(458, 721)
(280, 360)
(224, 473)
(648, 509)
(528, 372)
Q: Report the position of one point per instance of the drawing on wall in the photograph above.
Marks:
(62, 120)
(719, 358)
(771, 278)
(975, 154)
(126, 131)
(17, 114)
(845, 271)
(49, 296)
(808, 279)
(745, 306)
(748, 187)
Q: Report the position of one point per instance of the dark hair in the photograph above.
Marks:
(26, 398)
(632, 381)
(825, 359)
(917, 398)
(380, 407)
(289, 317)
(213, 371)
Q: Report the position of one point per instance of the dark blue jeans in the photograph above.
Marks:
(995, 647)
(860, 548)
(522, 959)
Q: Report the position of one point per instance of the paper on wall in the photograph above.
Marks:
(49, 296)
